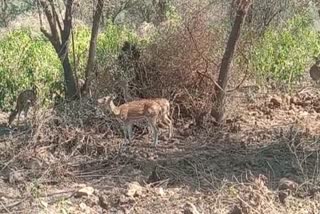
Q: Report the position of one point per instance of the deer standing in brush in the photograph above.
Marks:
(25, 100)
(137, 110)
(315, 71)
(164, 118)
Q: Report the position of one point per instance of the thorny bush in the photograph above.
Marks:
(180, 63)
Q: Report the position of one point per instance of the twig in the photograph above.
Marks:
(4, 207)
(16, 204)
(256, 211)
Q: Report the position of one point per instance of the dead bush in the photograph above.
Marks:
(70, 133)
(181, 64)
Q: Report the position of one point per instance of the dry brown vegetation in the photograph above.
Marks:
(264, 159)
(233, 169)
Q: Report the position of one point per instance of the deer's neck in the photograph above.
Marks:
(114, 109)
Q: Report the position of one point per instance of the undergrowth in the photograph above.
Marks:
(283, 54)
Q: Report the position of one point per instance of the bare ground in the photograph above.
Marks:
(231, 169)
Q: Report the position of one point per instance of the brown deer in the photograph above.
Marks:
(25, 100)
(315, 70)
(164, 118)
(130, 112)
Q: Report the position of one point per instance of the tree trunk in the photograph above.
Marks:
(71, 91)
(218, 109)
(93, 44)
(59, 37)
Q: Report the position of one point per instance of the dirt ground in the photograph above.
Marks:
(269, 139)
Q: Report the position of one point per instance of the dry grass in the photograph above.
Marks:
(232, 169)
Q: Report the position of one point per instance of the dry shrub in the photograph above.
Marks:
(254, 196)
(181, 64)
(60, 138)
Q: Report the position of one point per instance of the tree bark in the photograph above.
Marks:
(59, 37)
(93, 45)
(71, 91)
(218, 109)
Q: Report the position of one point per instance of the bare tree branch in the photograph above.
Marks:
(55, 17)
(59, 38)
(4, 5)
(67, 23)
(93, 43)
(40, 14)
(123, 7)
(54, 33)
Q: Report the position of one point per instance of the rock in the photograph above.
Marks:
(83, 207)
(15, 177)
(275, 102)
(286, 184)
(235, 210)
(161, 192)
(102, 203)
(190, 208)
(282, 196)
(92, 201)
(85, 191)
(134, 189)
(304, 114)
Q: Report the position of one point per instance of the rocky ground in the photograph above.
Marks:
(264, 160)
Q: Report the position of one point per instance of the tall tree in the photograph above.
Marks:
(219, 108)
(93, 44)
(59, 36)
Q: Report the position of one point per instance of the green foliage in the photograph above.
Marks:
(112, 38)
(172, 14)
(26, 59)
(14, 8)
(110, 42)
(82, 36)
(282, 55)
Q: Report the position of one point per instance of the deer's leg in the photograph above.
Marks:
(153, 125)
(170, 126)
(168, 123)
(90, 94)
(26, 109)
(18, 118)
(125, 133)
(129, 128)
(12, 116)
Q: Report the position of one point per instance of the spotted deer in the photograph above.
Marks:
(134, 111)
(164, 117)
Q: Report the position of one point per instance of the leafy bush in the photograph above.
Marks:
(111, 39)
(282, 55)
(82, 36)
(26, 59)
(110, 42)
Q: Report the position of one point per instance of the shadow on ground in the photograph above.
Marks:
(202, 163)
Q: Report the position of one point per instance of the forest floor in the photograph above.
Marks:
(265, 159)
